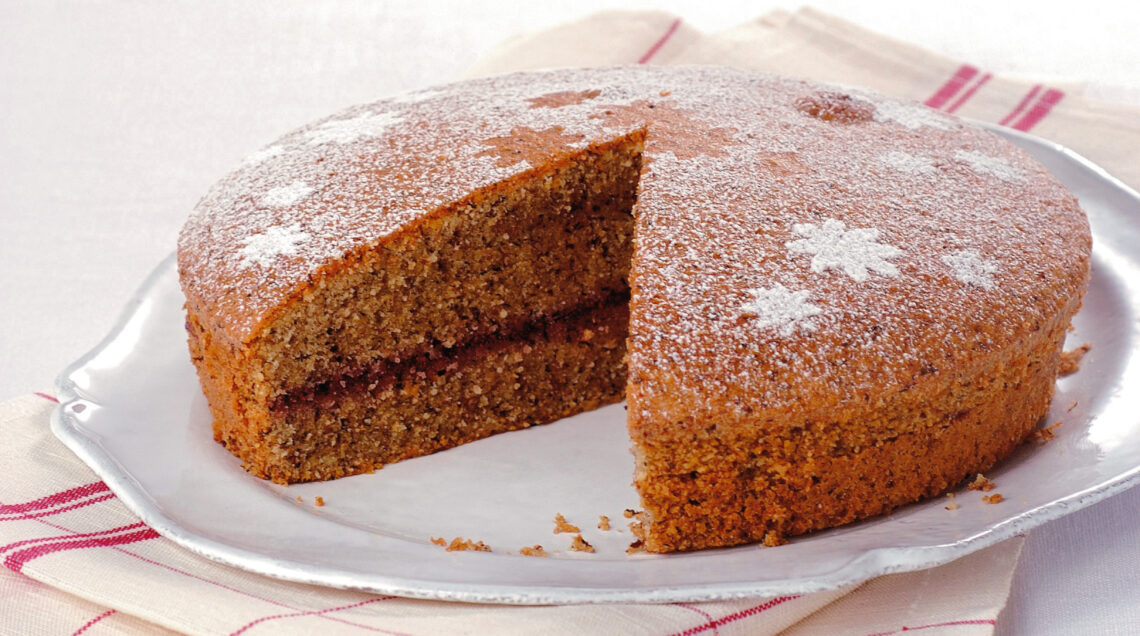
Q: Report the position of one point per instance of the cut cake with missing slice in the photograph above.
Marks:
(820, 304)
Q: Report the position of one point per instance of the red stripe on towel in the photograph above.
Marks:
(952, 86)
(92, 622)
(314, 613)
(969, 93)
(1020, 105)
(12, 546)
(206, 580)
(724, 620)
(17, 560)
(20, 516)
(55, 499)
(45, 396)
(904, 628)
(648, 55)
(693, 608)
(1039, 110)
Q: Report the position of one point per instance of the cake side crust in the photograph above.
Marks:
(768, 485)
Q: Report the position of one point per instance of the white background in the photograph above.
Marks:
(116, 117)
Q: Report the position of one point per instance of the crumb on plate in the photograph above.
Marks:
(1071, 360)
(981, 483)
(561, 525)
(459, 544)
(580, 545)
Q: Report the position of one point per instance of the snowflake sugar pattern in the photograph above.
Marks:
(969, 267)
(910, 164)
(781, 309)
(342, 131)
(269, 152)
(282, 196)
(262, 249)
(833, 246)
(993, 166)
(912, 116)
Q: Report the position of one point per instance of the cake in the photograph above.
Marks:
(819, 303)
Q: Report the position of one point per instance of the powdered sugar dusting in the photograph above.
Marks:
(969, 267)
(993, 166)
(259, 156)
(713, 221)
(342, 131)
(908, 163)
(911, 115)
(263, 249)
(416, 96)
(833, 246)
(282, 196)
(780, 309)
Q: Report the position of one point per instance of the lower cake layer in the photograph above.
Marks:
(824, 475)
(554, 370)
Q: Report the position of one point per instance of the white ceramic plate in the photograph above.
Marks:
(133, 411)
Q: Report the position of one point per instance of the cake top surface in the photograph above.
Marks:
(783, 228)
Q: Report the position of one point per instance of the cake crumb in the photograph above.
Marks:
(459, 544)
(603, 522)
(992, 499)
(319, 501)
(299, 499)
(1072, 405)
(953, 505)
(981, 483)
(534, 550)
(629, 512)
(635, 547)
(1071, 360)
(1043, 435)
(561, 525)
(773, 539)
(580, 545)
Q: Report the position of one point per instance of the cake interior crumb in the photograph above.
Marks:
(319, 501)
(992, 499)
(603, 522)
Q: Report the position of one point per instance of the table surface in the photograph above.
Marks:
(115, 118)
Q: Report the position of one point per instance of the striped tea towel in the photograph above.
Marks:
(77, 561)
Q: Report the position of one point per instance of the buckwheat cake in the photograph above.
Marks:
(819, 303)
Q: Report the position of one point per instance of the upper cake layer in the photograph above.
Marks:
(888, 241)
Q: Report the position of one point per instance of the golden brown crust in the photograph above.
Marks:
(823, 476)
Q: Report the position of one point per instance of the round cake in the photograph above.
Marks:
(819, 303)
